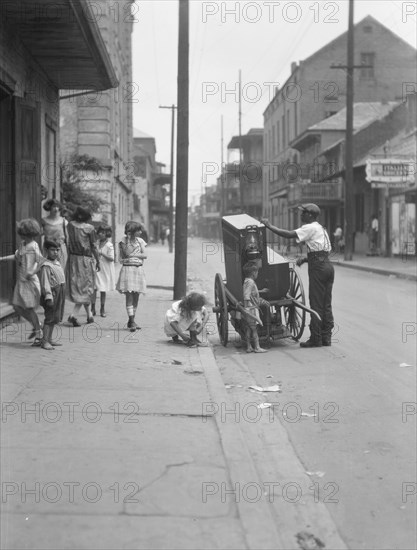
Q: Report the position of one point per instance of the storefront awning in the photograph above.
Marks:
(64, 38)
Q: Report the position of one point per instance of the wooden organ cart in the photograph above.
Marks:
(244, 240)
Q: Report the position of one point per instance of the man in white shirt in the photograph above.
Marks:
(320, 272)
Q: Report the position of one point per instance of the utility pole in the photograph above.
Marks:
(240, 141)
(349, 195)
(349, 141)
(181, 217)
(171, 188)
(222, 197)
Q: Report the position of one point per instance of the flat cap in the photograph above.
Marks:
(311, 208)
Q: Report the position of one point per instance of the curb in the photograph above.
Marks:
(379, 271)
(257, 522)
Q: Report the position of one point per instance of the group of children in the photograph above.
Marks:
(30, 290)
(41, 280)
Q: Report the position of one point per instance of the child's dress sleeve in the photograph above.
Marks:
(110, 252)
(172, 314)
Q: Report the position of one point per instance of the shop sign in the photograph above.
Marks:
(392, 173)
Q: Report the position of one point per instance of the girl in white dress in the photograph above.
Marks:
(105, 278)
(26, 296)
(132, 280)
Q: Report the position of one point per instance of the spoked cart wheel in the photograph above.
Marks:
(220, 308)
(295, 318)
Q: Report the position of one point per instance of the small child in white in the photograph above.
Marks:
(188, 315)
(252, 302)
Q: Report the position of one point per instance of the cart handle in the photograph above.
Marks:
(236, 304)
(303, 306)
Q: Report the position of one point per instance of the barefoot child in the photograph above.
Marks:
(52, 279)
(27, 290)
(105, 278)
(252, 302)
(188, 315)
(132, 280)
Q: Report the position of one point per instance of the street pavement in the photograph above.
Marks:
(125, 440)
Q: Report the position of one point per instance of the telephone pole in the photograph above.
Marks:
(222, 197)
(240, 142)
(349, 195)
(171, 188)
(181, 217)
(349, 141)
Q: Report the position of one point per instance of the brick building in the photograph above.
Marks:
(99, 124)
(386, 138)
(321, 150)
(315, 91)
(33, 70)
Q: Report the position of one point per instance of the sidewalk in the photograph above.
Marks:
(404, 267)
(116, 449)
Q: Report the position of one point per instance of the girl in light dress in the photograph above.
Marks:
(132, 280)
(26, 296)
(105, 278)
(54, 228)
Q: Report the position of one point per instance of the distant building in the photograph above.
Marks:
(248, 174)
(321, 150)
(99, 124)
(384, 160)
(315, 91)
(37, 60)
(151, 200)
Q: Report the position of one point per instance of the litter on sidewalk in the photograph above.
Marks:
(261, 389)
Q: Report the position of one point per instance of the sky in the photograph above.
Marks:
(261, 39)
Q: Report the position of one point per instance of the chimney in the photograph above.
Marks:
(293, 66)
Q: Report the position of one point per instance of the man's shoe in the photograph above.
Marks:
(310, 344)
(326, 343)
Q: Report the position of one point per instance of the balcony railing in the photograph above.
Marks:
(328, 191)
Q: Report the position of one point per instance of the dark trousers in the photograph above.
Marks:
(321, 278)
